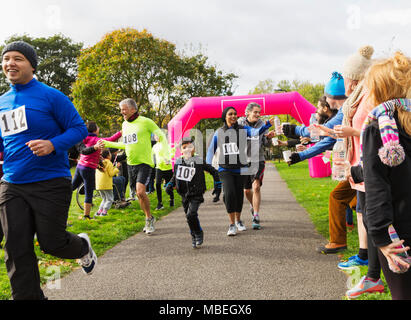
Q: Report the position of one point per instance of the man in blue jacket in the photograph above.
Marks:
(38, 126)
(335, 93)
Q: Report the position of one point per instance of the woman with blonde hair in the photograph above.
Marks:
(386, 166)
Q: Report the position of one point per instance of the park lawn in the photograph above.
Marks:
(313, 194)
(104, 232)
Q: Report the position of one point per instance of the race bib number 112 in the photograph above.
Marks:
(13, 121)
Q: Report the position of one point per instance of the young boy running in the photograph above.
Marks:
(189, 180)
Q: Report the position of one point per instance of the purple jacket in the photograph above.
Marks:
(91, 160)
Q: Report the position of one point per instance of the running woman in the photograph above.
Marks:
(256, 160)
(136, 137)
(39, 124)
(231, 142)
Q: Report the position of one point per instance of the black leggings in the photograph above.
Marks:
(399, 284)
(160, 175)
(233, 185)
(191, 210)
(374, 267)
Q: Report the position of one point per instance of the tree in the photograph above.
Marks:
(128, 63)
(311, 92)
(57, 61)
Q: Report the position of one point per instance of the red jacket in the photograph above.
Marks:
(91, 160)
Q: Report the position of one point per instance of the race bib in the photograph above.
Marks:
(230, 149)
(185, 173)
(13, 121)
(130, 138)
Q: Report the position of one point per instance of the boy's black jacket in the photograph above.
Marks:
(197, 185)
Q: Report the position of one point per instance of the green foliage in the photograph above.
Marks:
(311, 92)
(128, 63)
(57, 57)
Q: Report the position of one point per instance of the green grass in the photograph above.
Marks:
(313, 194)
(104, 232)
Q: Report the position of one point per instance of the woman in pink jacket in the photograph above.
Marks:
(87, 165)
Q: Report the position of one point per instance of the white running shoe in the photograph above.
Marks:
(149, 229)
(240, 226)
(232, 230)
(89, 261)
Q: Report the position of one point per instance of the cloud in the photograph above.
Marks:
(257, 40)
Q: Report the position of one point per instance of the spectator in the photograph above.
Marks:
(104, 182)
(86, 168)
(386, 161)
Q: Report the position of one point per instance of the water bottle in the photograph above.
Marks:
(403, 255)
(338, 168)
(277, 124)
(314, 132)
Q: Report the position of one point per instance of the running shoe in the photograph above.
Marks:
(149, 229)
(240, 226)
(365, 286)
(352, 262)
(232, 230)
(193, 240)
(89, 261)
(159, 206)
(98, 213)
(199, 236)
(256, 222)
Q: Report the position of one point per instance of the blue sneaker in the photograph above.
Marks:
(352, 262)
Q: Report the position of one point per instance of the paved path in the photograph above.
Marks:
(278, 262)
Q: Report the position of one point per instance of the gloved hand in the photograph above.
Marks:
(295, 158)
(169, 188)
(289, 130)
(216, 191)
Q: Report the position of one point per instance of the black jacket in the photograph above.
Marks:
(387, 189)
(197, 186)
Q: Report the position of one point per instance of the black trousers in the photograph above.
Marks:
(374, 266)
(39, 208)
(191, 206)
(233, 185)
(160, 175)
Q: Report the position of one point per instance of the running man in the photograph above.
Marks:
(256, 160)
(39, 124)
(136, 140)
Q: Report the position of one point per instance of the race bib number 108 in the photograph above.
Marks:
(13, 121)
(130, 138)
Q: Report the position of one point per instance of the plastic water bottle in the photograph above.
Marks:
(277, 124)
(338, 168)
(403, 255)
(314, 132)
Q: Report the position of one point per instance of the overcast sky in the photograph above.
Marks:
(257, 40)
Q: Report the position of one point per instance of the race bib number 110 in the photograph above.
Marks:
(13, 121)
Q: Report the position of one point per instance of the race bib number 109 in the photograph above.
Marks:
(13, 121)
(185, 173)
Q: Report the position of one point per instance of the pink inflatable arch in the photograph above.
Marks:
(291, 103)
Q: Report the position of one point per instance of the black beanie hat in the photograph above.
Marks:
(225, 111)
(24, 48)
